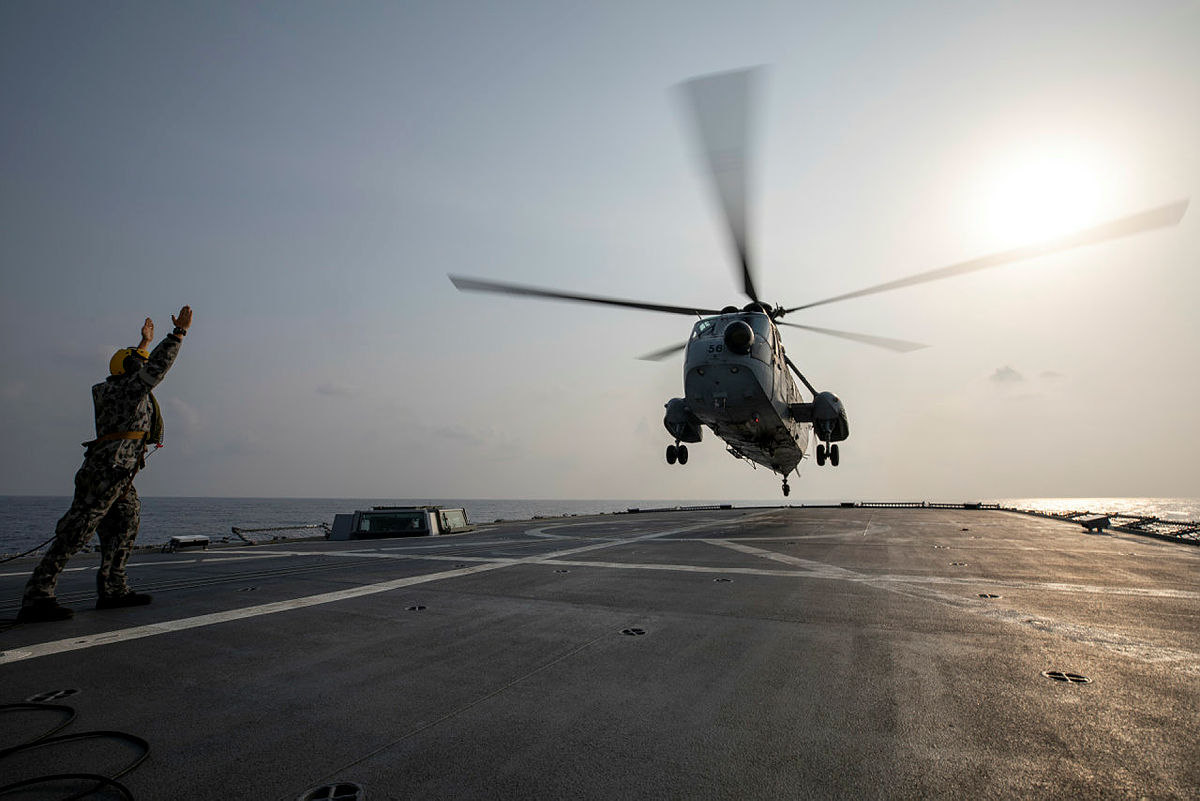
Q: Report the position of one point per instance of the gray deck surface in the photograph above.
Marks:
(787, 653)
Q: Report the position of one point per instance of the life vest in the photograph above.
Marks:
(153, 437)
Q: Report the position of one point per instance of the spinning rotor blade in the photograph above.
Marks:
(898, 345)
(1114, 229)
(720, 106)
(659, 355)
(478, 285)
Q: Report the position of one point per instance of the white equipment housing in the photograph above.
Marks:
(399, 521)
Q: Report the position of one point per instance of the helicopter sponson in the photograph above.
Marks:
(681, 422)
(827, 414)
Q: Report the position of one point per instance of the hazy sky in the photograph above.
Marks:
(306, 174)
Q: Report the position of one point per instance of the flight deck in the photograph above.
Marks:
(725, 653)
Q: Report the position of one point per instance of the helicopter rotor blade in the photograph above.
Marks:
(898, 345)
(479, 285)
(659, 355)
(1160, 217)
(720, 107)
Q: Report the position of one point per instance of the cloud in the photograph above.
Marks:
(335, 389)
(1006, 375)
(86, 357)
(184, 416)
(459, 434)
(1051, 375)
(486, 443)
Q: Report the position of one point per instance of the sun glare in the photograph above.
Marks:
(1043, 196)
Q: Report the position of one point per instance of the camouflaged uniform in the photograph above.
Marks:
(105, 501)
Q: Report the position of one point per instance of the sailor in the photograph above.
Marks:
(128, 421)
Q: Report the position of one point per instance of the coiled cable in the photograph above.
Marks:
(52, 737)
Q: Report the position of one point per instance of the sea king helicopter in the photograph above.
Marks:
(736, 378)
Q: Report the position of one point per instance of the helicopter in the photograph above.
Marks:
(737, 377)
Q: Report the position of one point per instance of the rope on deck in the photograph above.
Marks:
(239, 531)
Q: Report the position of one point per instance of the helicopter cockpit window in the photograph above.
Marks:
(704, 328)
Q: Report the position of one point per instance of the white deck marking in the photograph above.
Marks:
(742, 571)
(822, 570)
(182, 624)
(202, 560)
(816, 569)
(923, 587)
(911, 585)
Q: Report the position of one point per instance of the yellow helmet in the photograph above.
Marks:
(116, 365)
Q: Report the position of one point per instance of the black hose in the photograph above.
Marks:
(101, 781)
(31, 550)
(47, 739)
(71, 715)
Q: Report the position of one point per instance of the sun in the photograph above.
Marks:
(1044, 194)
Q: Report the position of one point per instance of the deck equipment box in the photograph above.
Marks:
(399, 521)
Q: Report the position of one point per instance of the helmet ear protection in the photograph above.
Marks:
(127, 360)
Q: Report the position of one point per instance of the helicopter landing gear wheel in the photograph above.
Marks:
(682, 454)
(786, 488)
(821, 454)
(672, 454)
(833, 455)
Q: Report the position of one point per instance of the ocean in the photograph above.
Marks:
(26, 521)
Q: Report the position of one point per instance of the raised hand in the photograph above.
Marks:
(147, 334)
(184, 319)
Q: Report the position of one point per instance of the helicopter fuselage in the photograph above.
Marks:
(736, 382)
(737, 379)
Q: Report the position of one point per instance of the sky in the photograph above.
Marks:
(306, 174)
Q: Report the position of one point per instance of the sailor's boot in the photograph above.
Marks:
(43, 610)
(129, 598)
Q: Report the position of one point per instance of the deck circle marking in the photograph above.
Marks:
(342, 791)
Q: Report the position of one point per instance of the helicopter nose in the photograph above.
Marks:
(739, 336)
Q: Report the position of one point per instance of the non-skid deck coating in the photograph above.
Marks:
(785, 653)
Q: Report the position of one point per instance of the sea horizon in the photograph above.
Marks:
(27, 520)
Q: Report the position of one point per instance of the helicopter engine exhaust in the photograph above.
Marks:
(739, 336)
(680, 422)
